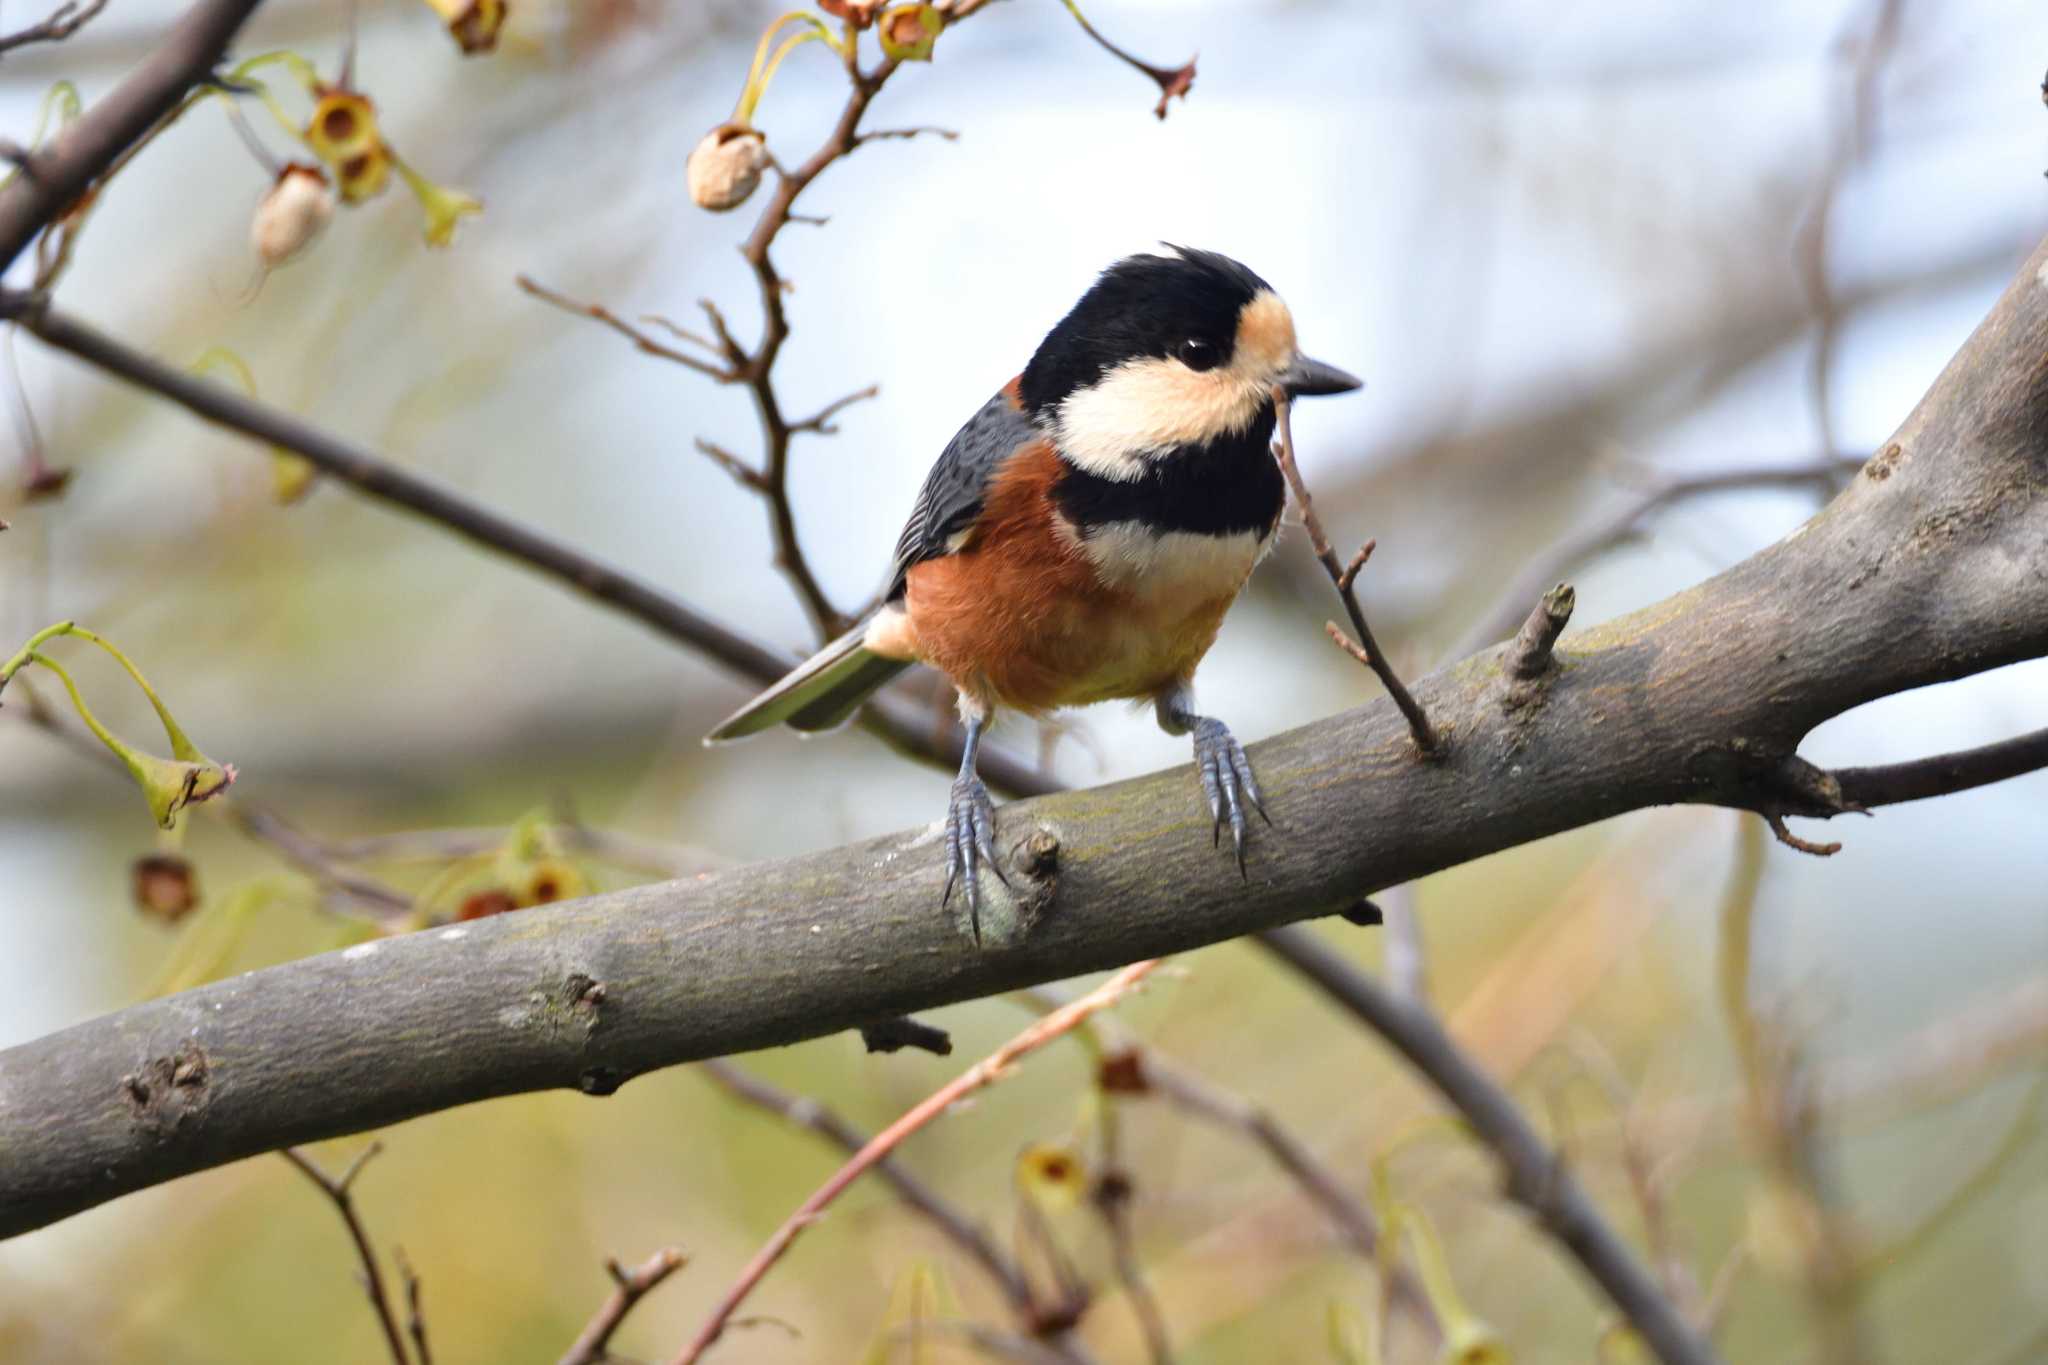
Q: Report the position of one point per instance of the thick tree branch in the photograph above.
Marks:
(1932, 565)
(52, 181)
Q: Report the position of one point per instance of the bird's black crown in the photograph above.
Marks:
(1185, 305)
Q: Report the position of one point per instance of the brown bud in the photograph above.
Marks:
(726, 167)
(860, 12)
(1123, 1073)
(480, 904)
(291, 214)
(164, 886)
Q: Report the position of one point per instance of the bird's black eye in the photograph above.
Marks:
(1197, 354)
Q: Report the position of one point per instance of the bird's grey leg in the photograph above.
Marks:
(971, 825)
(1226, 773)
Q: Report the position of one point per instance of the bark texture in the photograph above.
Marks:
(1931, 566)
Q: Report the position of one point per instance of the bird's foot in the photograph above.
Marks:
(970, 845)
(1228, 783)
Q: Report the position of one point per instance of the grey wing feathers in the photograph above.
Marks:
(952, 494)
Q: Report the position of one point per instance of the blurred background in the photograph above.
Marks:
(1587, 256)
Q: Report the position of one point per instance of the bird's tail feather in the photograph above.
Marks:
(822, 693)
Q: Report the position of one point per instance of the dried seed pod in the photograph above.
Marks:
(291, 214)
(726, 166)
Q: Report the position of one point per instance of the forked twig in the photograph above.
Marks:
(336, 1188)
(1345, 578)
(628, 1288)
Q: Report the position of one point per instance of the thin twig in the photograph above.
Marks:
(1536, 1178)
(984, 1072)
(64, 21)
(597, 312)
(415, 1318)
(820, 422)
(628, 1288)
(336, 1188)
(1177, 81)
(1854, 137)
(117, 121)
(1345, 579)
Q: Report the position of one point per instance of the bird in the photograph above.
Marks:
(1082, 536)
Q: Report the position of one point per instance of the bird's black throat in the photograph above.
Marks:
(1221, 487)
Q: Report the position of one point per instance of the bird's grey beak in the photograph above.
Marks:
(1307, 378)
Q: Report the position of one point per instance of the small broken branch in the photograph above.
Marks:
(1529, 655)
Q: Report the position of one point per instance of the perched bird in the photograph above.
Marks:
(1082, 536)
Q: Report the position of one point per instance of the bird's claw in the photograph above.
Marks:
(1228, 783)
(970, 845)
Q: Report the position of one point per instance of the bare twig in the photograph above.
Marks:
(336, 1188)
(116, 122)
(820, 421)
(64, 21)
(743, 474)
(922, 130)
(1365, 648)
(1536, 1178)
(1177, 81)
(641, 341)
(415, 1318)
(1871, 36)
(628, 1288)
(984, 1072)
